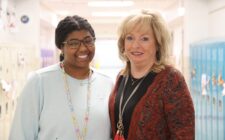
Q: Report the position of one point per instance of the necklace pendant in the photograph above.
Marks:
(119, 136)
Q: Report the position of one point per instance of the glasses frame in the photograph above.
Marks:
(80, 41)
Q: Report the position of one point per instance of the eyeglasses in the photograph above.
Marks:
(75, 43)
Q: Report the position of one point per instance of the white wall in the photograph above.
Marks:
(28, 33)
(216, 19)
(196, 27)
(196, 20)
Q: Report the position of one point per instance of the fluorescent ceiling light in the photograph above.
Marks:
(121, 3)
(109, 14)
(181, 11)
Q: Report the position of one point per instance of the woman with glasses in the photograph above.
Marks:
(68, 100)
(151, 100)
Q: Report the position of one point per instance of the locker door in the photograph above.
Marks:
(209, 95)
(214, 92)
(221, 77)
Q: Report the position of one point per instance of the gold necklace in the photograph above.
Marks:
(120, 127)
(81, 134)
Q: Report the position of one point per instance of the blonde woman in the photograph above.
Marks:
(150, 100)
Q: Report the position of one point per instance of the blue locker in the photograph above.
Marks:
(208, 86)
(220, 82)
(204, 92)
(214, 92)
(223, 91)
(209, 95)
(193, 74)
(198, 92)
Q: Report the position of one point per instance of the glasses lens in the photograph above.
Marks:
(89, 41)
(73, 43)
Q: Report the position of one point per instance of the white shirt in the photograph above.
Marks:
(43, 113)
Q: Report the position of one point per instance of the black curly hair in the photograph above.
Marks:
(70, 24)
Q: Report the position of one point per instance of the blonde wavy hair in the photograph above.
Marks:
(145, 20)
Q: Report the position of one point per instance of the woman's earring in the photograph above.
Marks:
(61, 57)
